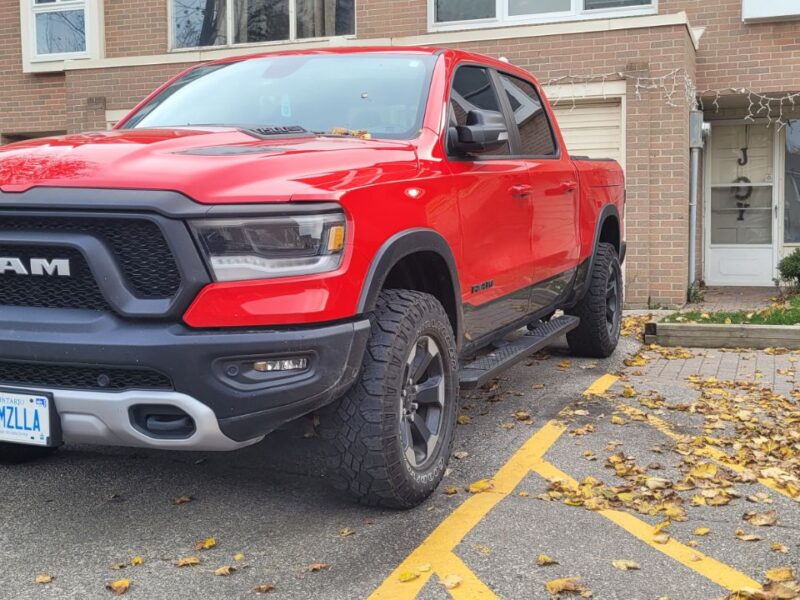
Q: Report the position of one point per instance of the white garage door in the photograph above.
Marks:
(592, 128)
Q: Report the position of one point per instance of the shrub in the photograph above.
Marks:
(789, 268)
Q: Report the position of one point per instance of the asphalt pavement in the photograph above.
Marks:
(87, 511)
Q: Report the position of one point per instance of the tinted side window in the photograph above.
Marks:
(473, 89)
(534, 128)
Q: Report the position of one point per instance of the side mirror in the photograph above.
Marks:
(485, 130)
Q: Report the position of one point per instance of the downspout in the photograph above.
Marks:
(697, 134)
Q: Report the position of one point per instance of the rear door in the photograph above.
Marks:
(496, 213)
(554, 189)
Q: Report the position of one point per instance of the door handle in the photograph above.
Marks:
(521, 191)
(567, 186)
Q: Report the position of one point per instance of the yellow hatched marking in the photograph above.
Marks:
(437, 549)
(711, 569)
(709, 452)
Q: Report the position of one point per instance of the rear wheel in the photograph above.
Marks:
(21, 453)
(392, 433)
(600, 310)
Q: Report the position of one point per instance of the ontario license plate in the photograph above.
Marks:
(27, 417)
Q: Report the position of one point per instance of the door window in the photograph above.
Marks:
(741, 185)
(791, 211)
(536, 135)
(473, 89)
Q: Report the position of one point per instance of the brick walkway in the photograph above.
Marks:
(777, 371)
(731, 299)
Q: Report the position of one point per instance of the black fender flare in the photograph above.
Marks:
(397, 247)
(608, 211)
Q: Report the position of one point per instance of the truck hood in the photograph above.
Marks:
(210, 165)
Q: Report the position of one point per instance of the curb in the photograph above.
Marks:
(712, 335)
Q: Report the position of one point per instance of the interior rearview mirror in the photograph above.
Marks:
(485, 130)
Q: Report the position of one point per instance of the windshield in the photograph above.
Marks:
(383, 95)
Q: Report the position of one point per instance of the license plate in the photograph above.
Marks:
(28, 417)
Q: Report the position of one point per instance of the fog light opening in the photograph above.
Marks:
(281, 364)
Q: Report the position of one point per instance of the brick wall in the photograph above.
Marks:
(763, 56)
(28, 103)
(89, 93)
(135, 27)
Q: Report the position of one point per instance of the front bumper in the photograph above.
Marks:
(230, 404)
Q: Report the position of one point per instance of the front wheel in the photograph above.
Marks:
(600, 310)
(392, 433)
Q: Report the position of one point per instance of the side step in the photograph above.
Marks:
(490, 365)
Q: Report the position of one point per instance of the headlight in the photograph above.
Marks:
(264, 248)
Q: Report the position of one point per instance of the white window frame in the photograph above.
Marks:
(229, 31)
(93, 22)
(503, 18)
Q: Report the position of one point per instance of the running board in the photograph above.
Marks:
(490, 365)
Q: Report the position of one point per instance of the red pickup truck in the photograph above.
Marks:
(355, 234)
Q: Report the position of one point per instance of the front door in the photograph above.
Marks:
(741, 207)
(496, 214)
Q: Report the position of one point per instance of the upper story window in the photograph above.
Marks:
(198, 23)
(459, 14)
(59, 28)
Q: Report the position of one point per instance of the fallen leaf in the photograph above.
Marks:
(704, 471)
(776, 547)
(406, 576)
(625, 565)
(460, 454)
(482, 485)
(44, 578)
(189, 561)
(265, 588)
(119, 587)
(661, 538)
(565, 584)
(780, 574)
(766, 519)
(224, 571)
(464, 419)
(182, 500)
(701, 531)
(205, 544)
(565, 364)
(450, 581)
(523, 416)
(137, 561)
(617, 420)
(524, 494)
(543, 560)
(238, 557)
(746, 537)
(346, 532)
(450, 491)
(318, 566)
(424, 567)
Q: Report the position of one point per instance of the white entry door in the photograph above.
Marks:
(741, 209)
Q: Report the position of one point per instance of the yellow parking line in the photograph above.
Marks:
(709, 452)
(720, 573)
(437, 549)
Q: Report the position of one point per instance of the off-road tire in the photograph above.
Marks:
(13, 454)
(596, 337)
(366, 454)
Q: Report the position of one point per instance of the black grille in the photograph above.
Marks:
(137, 244)
(79, 290)
(63, 376)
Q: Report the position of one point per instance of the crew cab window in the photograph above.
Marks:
(473, 89)
(536, 135)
